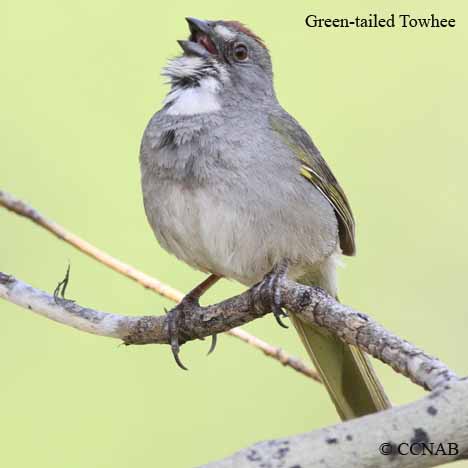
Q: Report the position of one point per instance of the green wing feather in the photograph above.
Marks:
(316, 171)
(345, 370)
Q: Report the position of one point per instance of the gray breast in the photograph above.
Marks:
(231, 201)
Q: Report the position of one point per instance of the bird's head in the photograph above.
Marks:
(225, 52)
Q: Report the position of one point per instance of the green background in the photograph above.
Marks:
(78, 82)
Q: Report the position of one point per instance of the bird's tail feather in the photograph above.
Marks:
(345, 370)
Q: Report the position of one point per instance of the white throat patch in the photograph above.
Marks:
(196, 99)
(203, 96)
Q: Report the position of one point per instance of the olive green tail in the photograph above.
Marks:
(346, 372)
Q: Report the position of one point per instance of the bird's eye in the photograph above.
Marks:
(241, 52)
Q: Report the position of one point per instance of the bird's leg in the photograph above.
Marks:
(198, 292)
(272, 283)
(201, 289)
(174, 316)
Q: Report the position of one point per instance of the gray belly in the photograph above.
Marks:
(239, 231)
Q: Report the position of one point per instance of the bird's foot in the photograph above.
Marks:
(175, 318)
(272, 282)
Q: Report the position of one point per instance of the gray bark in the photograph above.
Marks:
(437, 423)
(310, 304)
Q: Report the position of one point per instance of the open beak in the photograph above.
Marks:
(199, 42)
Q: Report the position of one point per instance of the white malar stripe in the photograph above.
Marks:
(182, 67)
(195, 100)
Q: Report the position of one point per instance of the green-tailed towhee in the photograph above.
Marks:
(234, 186)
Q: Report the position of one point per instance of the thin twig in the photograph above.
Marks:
(23, 209)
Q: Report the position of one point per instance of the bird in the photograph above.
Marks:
(234, 187)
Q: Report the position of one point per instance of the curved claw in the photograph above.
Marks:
(214, 341)
(175, 353)
(279, 321)
(273, 279)
(174, 338)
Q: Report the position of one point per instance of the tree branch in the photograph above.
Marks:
(438, 419)
(310, 304)
(21, 208)
(437, 423)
